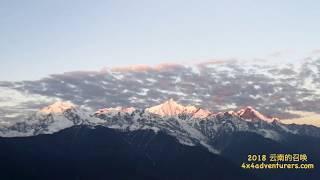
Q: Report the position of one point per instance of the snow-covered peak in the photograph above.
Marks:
(58, 107)
(185, 129)
(172, 108)
(232, 113)
(251, 114)
(202, 113)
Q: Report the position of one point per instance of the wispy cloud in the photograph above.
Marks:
(315, 52)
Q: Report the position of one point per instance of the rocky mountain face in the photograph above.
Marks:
(253, 115)
(48, 120)
(188, 124)
(85, 153)
(172, 108)
(166, 141)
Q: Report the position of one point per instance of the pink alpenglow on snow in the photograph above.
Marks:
(58, 107)
(166, 109)
(172, 108)
(250, 113)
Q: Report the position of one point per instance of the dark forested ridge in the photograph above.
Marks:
(102, 153)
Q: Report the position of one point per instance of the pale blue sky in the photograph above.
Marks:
(40, 37)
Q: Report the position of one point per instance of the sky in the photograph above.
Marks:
(41, 37)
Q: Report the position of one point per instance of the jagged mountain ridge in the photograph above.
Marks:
(48, 120)
(188, 124)
(172, 108)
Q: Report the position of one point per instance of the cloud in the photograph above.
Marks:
(145, 68)
(315, 52)
(217, 84)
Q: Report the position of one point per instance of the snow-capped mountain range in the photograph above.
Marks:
(190, 125)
